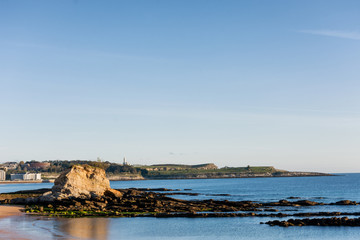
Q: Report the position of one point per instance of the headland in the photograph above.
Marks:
(50, 170)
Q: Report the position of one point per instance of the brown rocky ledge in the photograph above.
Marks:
(136, 203)
(334, 221)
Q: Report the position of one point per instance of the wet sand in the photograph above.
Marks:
(10, 211)
(7, 211)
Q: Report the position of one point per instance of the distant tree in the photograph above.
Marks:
(144, 172)
(116, 168)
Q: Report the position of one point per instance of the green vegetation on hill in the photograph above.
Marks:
(52, 169)
(182, 166)
(226, 170)
(59, 166)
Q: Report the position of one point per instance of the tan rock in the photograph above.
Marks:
(81, 181)
(113, 193)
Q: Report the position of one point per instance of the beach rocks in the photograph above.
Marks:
(293, 204)
(334, 221)
(130, 202)
(307, 203)
(345, 202)
(112, 193)
(293, 197)
(137, 203)
(80, 182)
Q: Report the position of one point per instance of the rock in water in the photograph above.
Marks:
(81, 182)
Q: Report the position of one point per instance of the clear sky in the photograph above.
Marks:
(184, 81)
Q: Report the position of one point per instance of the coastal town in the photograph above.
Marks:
(21, 172)
(48, 171)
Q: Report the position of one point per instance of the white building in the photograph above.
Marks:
(2, 175)
(25, 176)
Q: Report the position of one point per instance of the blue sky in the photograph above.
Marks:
(230, 82)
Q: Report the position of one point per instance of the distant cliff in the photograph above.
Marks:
(212, 171)
(179, 167)
(236, 175)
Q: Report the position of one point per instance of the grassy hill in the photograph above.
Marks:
(208, 170)
(158, 171)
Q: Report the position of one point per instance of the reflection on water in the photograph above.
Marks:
(35, 228)
(40, 227)
(84, 228)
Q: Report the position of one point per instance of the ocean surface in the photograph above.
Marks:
(320, 189)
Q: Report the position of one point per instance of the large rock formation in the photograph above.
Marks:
(81, 181)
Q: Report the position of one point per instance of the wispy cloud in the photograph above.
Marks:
(355, 35)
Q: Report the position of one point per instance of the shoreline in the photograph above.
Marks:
(9, 211)
(223, 177)
(21, 182)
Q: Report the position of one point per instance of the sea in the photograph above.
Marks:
(325, 189)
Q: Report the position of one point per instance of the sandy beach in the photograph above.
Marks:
(7, 211)
(10, 211)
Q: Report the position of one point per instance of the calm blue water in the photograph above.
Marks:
(330, 189)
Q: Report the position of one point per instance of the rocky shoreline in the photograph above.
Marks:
(148, 203)
(334, 221)
(84, 191)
